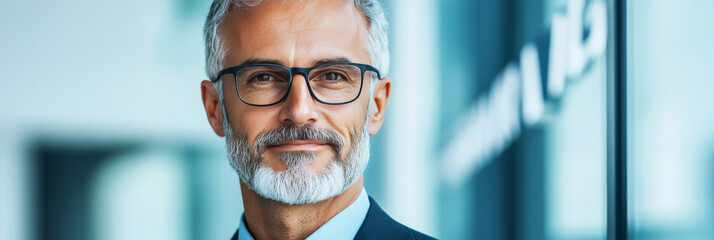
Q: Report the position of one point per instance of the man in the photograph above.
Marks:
(295, 87)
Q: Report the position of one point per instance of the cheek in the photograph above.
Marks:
(252, 122)
(347, 119)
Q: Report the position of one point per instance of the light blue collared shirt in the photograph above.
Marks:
(344, 225)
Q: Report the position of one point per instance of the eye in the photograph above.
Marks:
(262, 77)
(333, 76)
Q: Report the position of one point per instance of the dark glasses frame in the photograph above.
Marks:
(295, 71)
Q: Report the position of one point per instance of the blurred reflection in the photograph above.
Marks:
(542, 177)
(670, 129)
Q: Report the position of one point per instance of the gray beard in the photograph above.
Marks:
(298, 184)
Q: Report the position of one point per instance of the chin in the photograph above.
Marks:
(300, 184)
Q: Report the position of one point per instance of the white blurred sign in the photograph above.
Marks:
(519, 93)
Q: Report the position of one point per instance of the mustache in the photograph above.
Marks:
(291, 132)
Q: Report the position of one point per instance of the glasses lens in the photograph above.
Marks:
(262, 85)
(336, 83)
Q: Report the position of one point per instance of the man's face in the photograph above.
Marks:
(299, 34)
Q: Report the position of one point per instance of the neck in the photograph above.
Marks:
(269, 219)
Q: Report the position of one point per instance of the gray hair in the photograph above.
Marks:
(376, 43)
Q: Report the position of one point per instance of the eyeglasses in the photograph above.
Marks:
(266, 84)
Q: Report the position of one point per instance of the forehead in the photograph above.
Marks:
(295, 33)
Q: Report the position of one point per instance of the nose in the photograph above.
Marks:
(299, 106)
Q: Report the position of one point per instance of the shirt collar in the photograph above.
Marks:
(344, 225)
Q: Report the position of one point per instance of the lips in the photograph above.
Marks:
(294, 145)
(289, 137)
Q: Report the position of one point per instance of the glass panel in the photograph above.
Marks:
(522, 115)
(576, 149)
(670, 119)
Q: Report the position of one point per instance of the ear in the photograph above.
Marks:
(381, 95)
(212, 104)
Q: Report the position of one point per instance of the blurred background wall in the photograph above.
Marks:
(496, 127)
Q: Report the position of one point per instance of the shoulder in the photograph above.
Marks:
(378, 225)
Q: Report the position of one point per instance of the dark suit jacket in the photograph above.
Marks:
(378, 225)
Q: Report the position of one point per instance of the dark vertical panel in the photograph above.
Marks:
(621, 125)
(489, 190)
(511, 177)
(65, 174)
(530, 189)
(617, 123)
(487, 33)
(528, 182)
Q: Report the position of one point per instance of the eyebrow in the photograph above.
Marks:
(278, 62)
(333, 60)
(261, 61)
